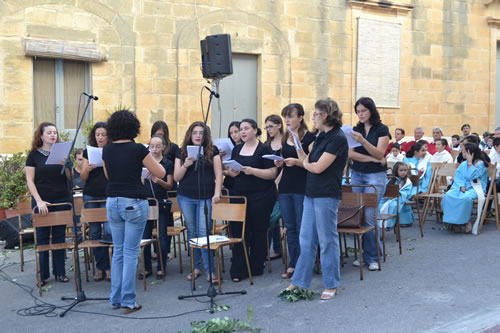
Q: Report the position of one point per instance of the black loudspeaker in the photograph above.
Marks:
(9, 230)
(216, 56)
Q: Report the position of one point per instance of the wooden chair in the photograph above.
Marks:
(415, 180)
(233, 210)
(178, 217)
(78, 202)
(23, 207)
(89, 216)
(368, 200)
(52, 219)
(176, 231)
(153, 215)
(454, 154)
(391, 192)
(490, 195)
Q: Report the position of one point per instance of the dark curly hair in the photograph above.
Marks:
(368, 103)
(123, 125)
(208, 147)
(91, 139)
(37, 136)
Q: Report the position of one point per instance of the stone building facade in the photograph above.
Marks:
(145, 55)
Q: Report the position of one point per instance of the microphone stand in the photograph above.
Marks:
(211, 292)
(80, 294)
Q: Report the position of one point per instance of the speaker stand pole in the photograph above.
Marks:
(211, 292)
(80, 294)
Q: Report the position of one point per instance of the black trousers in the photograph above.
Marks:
(259, 208)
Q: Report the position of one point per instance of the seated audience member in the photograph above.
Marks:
(399, 134)
(489, 143)
(471, 139)
(389, 206)
(395, 154)
(455, 142)
(469, 184)
(484, 142)
(78, 182)
(441, 155)
(465, 130)
(437, 134)
(416, 159)
(495, 154)
(418, 134)
(497, 133)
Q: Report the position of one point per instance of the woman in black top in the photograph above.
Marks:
(95, 189)
(126, 205)
(325, 166)
(293, 180)
(157, 188)
(170, 151)
(256, 182)
(198, 188)
(233, 133)
(47, 186)
(368, 168)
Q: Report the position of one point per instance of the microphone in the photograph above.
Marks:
(95, 98)
(216, 95)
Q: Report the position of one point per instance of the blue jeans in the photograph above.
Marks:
(43, 235)
(194, 217)
(97, 231)
(292, 206)
(379, 180)
(319, 227)
(127, 218)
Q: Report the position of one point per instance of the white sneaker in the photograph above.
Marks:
(373, 266)
(355, 263)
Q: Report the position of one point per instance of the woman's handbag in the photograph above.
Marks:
(351, 217)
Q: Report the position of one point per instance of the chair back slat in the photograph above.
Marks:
(391, 191)
(230, 211)
(91, 215)
(23, 207)
(64, 217)
(153, 211)
(492, 170)
(415, 179)
(447, 170)
(78, 200)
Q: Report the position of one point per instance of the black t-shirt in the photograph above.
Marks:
(123, 163)
(188, 186)
(172, 153)
(49, 182)
(293, 179)
(159, 191)
(244, 184)
(96, 181)
(374, 134)
(329, 182)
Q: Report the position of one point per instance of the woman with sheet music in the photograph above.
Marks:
(255, 181)
(197, 188)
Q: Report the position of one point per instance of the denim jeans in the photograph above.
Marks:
(194, 217)
(58, 236)
(292, 206)
(127, 218)
(377, 179)
(97, 231)
(163, 222)
(319, 227)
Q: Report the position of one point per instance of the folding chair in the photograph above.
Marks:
(53, 219)
(415, 180)
(491, 195)
(235, 211)
(153, 215)
(391, 192)
(23, 207)
(368, 200)
(176, 231)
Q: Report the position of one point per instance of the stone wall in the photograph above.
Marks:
(307, 50)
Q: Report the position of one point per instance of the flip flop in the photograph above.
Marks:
(190, 276)
(287, 275)
(326, 295)
(127, 310)
(62, 279)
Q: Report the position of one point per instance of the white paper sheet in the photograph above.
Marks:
(143, 173)
(226, 145)
(295, 139)
(273, 157)
(347, 129)
(202, 241)
(193, 151)
(95, 155)
(233, 165)
(58, 152)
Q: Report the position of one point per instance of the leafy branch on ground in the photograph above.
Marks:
(296, 295)
(225, 324)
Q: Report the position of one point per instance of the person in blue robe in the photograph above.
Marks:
(417, 158)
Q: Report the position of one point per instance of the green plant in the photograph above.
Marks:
(12, 179)
(223, 325)
(296, 295)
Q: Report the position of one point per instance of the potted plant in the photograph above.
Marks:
(12, 183)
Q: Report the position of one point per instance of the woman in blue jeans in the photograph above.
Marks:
(198, 188)
(127, 207)
(292, 185)
(95, 189)
(368, 168)
(325, 166)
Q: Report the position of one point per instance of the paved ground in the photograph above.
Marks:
(444, 282)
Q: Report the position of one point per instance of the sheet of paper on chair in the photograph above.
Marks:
(202, 241)
(145, 241)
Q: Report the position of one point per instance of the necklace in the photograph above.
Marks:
(43, 152)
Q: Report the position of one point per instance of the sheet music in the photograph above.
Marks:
(192, 151)
(273, 157)
(295, 139)
(226, 145)
(59, 152)
(347, 129)
(95, 155)
(233, 165)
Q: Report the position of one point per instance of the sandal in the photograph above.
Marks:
(215, 282)
(42, 283)
(108, 274)
(127, 310)
(62, 279)
(287, 275)
(159, 275)
(99, 275)
(236, 280)
(148, 274)
(326, 295)
(191, 276)
(275, 256)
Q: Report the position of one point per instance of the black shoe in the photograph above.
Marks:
(148, 274)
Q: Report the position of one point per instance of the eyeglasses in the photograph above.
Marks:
(270, 127)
